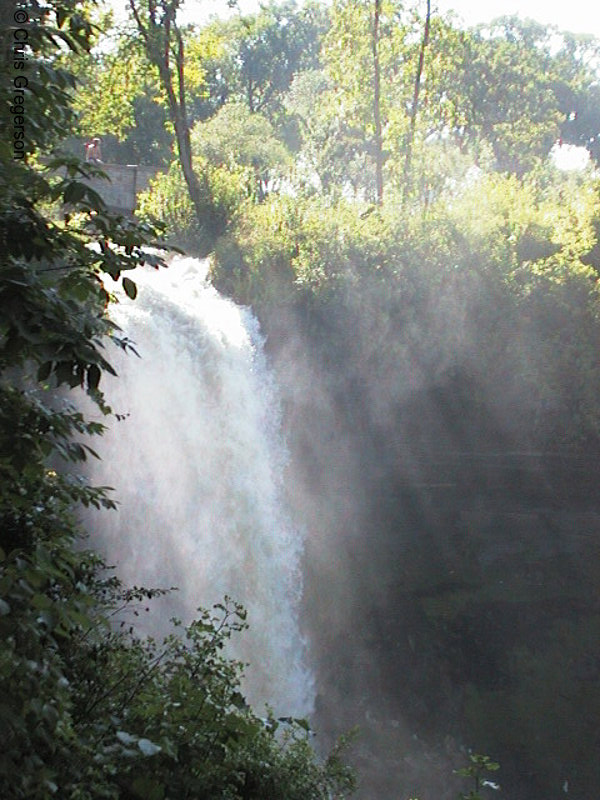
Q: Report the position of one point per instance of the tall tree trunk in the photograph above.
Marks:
(184, 145)
(158, 37)
(182, 137)
(415, 103)
(377, 105)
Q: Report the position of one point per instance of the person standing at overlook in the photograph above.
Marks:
(93, 150)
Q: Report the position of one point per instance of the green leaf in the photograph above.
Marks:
(147, 788)
(41, 602)
(130, 288)
(44, 371)
(74, 192)
(93, 376)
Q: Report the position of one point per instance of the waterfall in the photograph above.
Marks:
(198, 468)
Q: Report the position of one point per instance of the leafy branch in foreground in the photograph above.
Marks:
(88, 711)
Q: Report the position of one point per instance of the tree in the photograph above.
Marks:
(120, 99)
(364, 39)
(88, 711)
(52, 338)
(120, 96)
(239, 159)
(378, 39)
(377, 104)
(164, 48)
(264, 51)
(331, 149)
(504, 93)
(416, 93)
(577, 92)
(236, 138)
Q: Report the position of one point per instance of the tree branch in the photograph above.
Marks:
(415, 102)
(377, 104)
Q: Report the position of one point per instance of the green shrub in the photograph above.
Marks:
(167, 201)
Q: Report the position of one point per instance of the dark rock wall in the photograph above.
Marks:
(452, 578)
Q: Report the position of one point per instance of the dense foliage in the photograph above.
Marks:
(87, 709)
(445, 327)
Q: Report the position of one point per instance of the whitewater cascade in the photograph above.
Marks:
(198, 465)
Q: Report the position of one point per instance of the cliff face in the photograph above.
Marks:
(451, 584)
(476, 620)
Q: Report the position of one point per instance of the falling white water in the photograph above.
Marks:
(198, 467)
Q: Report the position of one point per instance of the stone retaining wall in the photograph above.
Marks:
(125, 182)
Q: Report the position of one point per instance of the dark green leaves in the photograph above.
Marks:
(93, 376)
(130, 288)
(479, 765)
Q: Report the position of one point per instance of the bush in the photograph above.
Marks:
(167, 202)
(88, 711)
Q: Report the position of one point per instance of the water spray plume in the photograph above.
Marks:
(201, 464)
